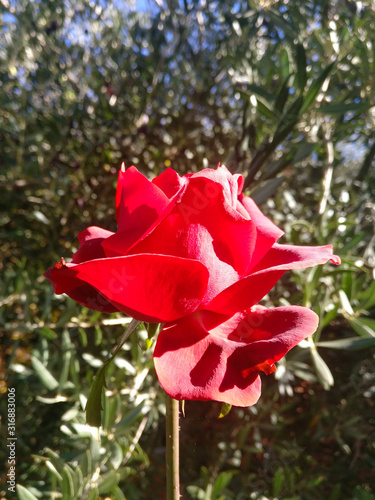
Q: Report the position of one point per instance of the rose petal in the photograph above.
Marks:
(296, 257)
(154, 206)
(265, 336)
(119, 188)
(266, 231)
(90, 248)
(90, 244)
(196, 200)
(88, 296)
(139, 203)
(64, 281)
(154, 288)
(233, 235)
(193, 241)
(191, 365)
(232, 184)
(251, 289)
(196, 360)
(169, 182)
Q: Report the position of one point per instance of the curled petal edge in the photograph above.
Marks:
(194, 361)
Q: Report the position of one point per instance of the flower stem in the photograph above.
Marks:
(173, 448)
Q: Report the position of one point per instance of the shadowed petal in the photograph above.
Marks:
(194, 360)
(204, 202)
(193, 241)
(232, 184)
(90, 241)
(266, 231)
(141, 206)
(169, 182)
(139, 202)
(64, 281)
(191, 364)
(266, 335)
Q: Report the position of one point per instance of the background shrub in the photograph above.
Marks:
(282, 92)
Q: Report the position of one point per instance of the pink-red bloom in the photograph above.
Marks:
(194, 253)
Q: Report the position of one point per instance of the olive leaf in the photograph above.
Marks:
(94, 401)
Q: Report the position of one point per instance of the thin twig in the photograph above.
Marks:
(327, 180)
(136, 438)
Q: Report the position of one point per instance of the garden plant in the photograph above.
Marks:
(175, 274)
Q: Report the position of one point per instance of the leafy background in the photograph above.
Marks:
(282, 92)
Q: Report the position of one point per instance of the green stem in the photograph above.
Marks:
(173, 448)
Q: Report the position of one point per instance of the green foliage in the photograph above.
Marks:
(225, 409)
(281, 92)
(94, 401)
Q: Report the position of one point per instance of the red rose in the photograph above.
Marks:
(194, 253)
